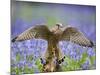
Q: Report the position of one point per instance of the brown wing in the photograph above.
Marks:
(74, 35)
(39, 31)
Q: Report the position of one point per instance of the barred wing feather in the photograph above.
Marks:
(74, 35)
(39, 31)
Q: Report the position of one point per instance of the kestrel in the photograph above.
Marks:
(53, 36)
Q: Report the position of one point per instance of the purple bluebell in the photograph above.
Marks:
(91, 52)
(86, 65)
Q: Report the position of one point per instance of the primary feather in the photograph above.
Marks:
(74, 35)
(39, 31)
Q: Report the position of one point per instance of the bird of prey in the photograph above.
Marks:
(53, 36)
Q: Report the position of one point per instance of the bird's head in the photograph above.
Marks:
(59, 25)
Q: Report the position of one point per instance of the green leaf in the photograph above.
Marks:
(18, 57)
(39, 65)
(29, 58)
(92, 59)
(28, 70)
(83, 59)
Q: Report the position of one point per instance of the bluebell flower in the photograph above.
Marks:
(19, 44)
(13, 56)
(78, 57)
(19, 65)
(70, 46)
(86, 65)
(13, 45)
(91, 52)
(30, 64)
(28, 44)
(13, 65)
(73, 55)
(36, 70)
(33, 42)
(81, 50)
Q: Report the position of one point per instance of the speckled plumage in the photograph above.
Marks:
(53, 54)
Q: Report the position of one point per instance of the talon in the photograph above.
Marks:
(62, 60)
(42, 61)
(64, 57)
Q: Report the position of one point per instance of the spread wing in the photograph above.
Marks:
(39, 31)
(74, 35)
